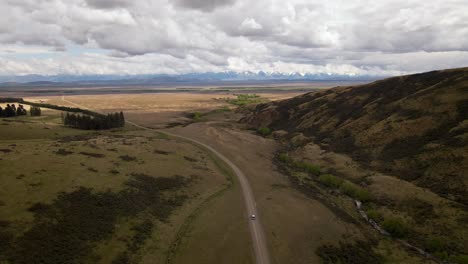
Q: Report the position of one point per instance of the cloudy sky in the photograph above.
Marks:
(384, 37)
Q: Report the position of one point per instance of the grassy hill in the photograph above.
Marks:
(414, 127)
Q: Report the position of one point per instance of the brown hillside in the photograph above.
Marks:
(414, 127)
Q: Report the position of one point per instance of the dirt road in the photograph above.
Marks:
(256, 230)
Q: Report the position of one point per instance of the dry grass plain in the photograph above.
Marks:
(156, 110)
(295, 224)
(41, 162)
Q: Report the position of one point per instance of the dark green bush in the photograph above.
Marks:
(284, 157)
(264, 131)
(434, 244)
(460, 259)
(330, 180)
(395, 227)
(346, 253)
(127, 158)
(374, 215)
(355, 191)
(196, 116)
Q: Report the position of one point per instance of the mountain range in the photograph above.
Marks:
(189, 78)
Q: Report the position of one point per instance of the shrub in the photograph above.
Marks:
(127, 158)
(284, 157)
(359, 252)
(299, 165)
(460, 259)
(395, 227)
(355, 192)
(196, 116)
(307, 167)
(374, 215)
(264, 131)
(330, 180)
(434, 244)
(63, 152)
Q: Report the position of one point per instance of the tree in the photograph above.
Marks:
(21, 111)
(35, 111)
(10, 111)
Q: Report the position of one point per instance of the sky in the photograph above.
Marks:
(361, 37)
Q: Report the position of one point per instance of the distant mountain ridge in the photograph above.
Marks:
(147, 79)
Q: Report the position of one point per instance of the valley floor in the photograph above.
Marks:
(299, 215)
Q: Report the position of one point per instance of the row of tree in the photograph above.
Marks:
(75, 117)
(12, 110)
(95, 122)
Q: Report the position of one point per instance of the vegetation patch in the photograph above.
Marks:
(374, 215)
(63, 152)
(349, 253)
(355, 191)
(299, 165)
(264, 131)
(196, 116)
(142, 233)
(395, 227)
(190, 159)
(245, 99)
(127, 158)
(346, 187)
(330, 181)
(94, 122)
(67, 230)
(161, 152)
(94, 155)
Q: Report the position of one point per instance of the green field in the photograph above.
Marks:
(115, 196)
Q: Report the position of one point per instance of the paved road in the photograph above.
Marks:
(255, 226)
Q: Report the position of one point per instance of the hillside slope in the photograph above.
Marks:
(414, 127)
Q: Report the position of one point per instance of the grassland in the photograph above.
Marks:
(118, 196)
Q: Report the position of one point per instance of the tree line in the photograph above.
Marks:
(11, 110)
(94, 122)
(76, 117)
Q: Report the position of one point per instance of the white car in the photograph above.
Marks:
(253, 217)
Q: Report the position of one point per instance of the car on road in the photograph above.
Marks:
(253, 217)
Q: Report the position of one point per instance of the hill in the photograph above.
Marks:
(414, 127)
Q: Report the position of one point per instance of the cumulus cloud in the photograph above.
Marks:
(109, 4)
(205, 5)
(179, 36)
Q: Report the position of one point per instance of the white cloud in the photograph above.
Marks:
(175, 36)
